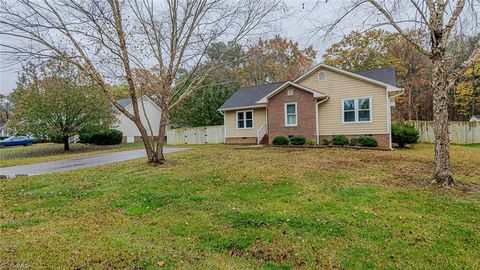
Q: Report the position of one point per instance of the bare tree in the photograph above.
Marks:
(439, 19)
(142, 43)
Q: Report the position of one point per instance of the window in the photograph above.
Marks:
(290, 114)
(363, 109)
(349, 110)
(322, 76)
(245, 119)
(357, 110)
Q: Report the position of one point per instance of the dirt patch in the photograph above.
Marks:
(276, 252)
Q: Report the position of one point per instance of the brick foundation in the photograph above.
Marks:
(306, 118)
(241, 140)
(383, 139)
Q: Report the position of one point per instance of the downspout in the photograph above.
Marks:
(389, 116)
(316, 118)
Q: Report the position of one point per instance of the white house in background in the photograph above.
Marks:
(475, 118)
(148, 110)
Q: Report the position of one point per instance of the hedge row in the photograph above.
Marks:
(294, 140)
(109, 137)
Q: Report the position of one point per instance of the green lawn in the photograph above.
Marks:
(42, 152)
(475, 145)
(225, 207)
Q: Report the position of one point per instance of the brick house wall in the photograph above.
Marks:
(306, 118)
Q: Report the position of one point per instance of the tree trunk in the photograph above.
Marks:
(66, 143)
(152, 155)
(442, 172)
(161, 136)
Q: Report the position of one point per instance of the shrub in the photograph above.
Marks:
(310, 142)
(56, 139)
(339, 140)
(353, 141)
(325, 142)
(368, 141)
(280, 140)
(297, 140)
(85, 137)
(404, 134)
(109, 137)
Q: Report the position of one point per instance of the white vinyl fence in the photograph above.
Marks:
(196, 135)
(460, 132)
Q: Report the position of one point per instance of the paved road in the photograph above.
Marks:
(77, 163)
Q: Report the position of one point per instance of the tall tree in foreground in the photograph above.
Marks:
(141, 43)
(56, 100)
(438, 19)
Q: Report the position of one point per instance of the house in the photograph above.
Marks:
(323, 102)
(148, 110)
(475, 118)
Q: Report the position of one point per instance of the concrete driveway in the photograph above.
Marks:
(76, 163)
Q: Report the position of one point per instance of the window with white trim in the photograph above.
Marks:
(245, 119)
(291, 114)
(357, 110)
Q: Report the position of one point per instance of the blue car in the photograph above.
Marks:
(17, 140)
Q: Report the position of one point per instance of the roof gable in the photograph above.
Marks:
(362, 75)
(127, 102)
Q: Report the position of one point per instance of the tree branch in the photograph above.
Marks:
(398, 28)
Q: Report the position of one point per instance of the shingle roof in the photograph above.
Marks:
(385, 75)
(124, 102)
(247, 96)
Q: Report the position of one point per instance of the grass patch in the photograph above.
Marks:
(220, 207)
(474, 145)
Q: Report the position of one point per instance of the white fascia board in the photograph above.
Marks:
(264, 100)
